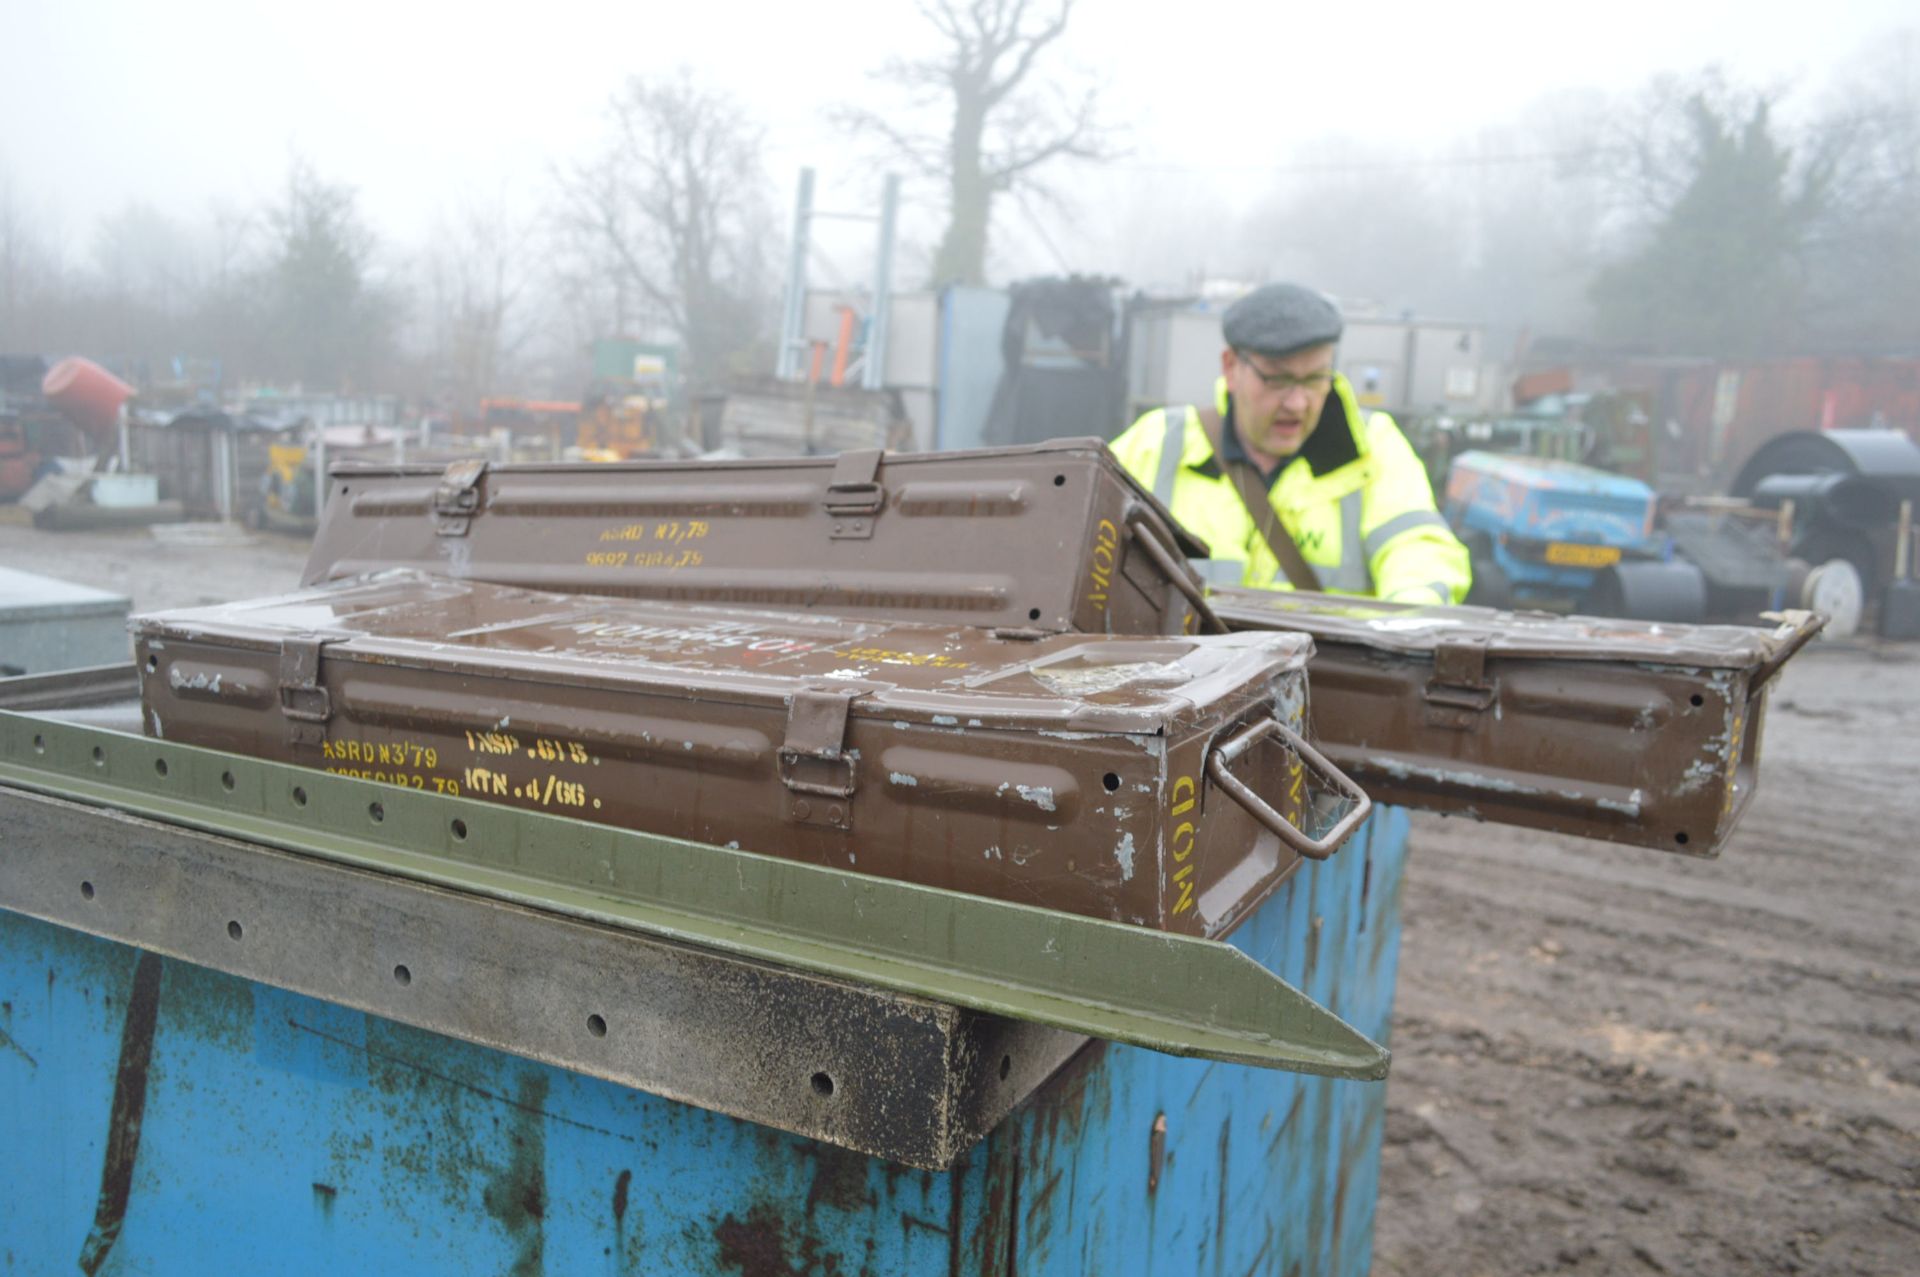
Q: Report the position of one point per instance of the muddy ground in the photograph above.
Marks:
(1609, 1060)
(1606, 1060)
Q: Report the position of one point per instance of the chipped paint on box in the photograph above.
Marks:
(1700, 773)
(1040, 796)
(1402, 770)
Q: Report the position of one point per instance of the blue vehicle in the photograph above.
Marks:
(1560, 536)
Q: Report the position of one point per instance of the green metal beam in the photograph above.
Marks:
(1170, 993)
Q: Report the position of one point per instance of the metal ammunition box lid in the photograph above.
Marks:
(944, 675)
(1417, 628)
(1054, 536)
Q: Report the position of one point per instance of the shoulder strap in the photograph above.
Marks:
(1254, 496)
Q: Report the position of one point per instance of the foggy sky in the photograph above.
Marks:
(423, 108)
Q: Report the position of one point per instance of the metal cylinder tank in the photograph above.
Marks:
(86, 394)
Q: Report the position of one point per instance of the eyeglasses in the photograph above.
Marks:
(1313, 382)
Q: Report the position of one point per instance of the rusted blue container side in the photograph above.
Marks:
(1253, 1172)
(163, 1118)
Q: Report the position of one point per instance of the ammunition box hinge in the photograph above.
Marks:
(303, 701)
(1459, 691)
(854, 494)
(457, 498)
(814, 764)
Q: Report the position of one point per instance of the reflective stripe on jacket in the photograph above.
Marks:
(1367, 524)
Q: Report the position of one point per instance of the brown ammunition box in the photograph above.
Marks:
(1051, 537)
(1628, 731)
(1156, 781)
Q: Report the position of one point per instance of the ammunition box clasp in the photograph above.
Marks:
(854, 494)
(303, 701)
(457, 498)
(1459, 691)
(814, 764)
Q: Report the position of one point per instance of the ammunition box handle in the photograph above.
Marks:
(1156, 539)
(1805, 626)
(1316, 764)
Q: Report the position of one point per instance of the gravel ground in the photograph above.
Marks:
(1606, 1060)
(149, 571)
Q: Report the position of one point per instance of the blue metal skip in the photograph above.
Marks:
(162, 1118)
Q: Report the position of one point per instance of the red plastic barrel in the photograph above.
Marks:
(86, 394)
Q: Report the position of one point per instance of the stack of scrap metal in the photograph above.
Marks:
(773, 418)
(976, 671)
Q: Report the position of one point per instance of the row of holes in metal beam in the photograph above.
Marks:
(402, 974)
(821, 1082)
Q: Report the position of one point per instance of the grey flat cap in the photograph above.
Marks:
(1278, 319)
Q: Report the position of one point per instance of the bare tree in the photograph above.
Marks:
(144, 257)
(1718, 263)
(1003, 127)
(1512, 202)
(670, 222)
(333, 321)
(230, 234)
(1866, 248)
(25, 263)
(476, 285)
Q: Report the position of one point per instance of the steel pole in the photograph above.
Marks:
(793, 320)
(874, 372)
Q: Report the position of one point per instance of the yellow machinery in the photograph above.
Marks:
(618, 428)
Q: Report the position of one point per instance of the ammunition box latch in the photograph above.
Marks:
(457, 498)
(854, 494)
(303, 700)
(1459, 691)
(814, 764)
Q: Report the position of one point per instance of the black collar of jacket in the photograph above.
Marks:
(1330, 446)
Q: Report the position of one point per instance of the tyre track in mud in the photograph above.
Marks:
(1610, 1060)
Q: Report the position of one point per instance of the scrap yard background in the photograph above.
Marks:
(1641, 297)
(1607, 1060)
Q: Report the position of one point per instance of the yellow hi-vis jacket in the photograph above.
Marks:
(1355, 499)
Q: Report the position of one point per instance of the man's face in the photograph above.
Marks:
(1277, 398)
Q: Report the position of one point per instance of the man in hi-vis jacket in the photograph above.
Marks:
(1342, 484)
